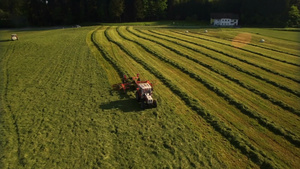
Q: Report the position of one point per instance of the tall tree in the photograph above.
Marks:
(264, 13)
(294, 17)
(129, 11)
(155, 9)
(116, 8)
(103, 10)
(139, 10)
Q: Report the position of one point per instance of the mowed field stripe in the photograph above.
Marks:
(287, 61)
(275, 66)
(230, 40)
(266, 86)
(289, 135)
(237, 81)
(291, 76)
(188, 84)
(262, 110)
(275, 81)
(177, 91)
(164, 95)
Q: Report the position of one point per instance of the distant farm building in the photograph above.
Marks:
(224, 19)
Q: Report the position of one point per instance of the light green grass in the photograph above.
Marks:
(189, 85)
(276, 33)
(58, 108)
(167, 23)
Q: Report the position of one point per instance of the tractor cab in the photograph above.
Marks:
(14, 37)
(145, 88)
(144, 94)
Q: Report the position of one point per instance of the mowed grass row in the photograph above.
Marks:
(225, 75)
(72, 121)
(185, 80)
(271, 43)
(276, 68)
(273, 55)
(191, 102)
(216, 87)
(69, 116)
(173, 151)
(154, 45)
(270, 78)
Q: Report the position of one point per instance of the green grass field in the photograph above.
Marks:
(225, 100)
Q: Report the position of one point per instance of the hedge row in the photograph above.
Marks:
(290, 136)
(250, 51)
(234, 66)
(209, 67)
(234, 57)
(263, 47)
(121, 71)
(256, 155)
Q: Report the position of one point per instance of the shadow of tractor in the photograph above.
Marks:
(6, 40)
(127, 105)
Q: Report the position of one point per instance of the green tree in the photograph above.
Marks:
(294, 17)
(139, 10)
(155, 9)
(3, 15)
(116, 8)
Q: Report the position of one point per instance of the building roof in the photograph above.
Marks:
(224, 15)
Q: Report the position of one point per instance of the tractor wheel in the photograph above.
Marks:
(137, 96)
(142, 105)
(154, 103)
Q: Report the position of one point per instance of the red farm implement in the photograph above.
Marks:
(144, 90)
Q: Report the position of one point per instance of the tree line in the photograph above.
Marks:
(16, 13)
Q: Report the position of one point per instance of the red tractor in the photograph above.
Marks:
(144, 93)
(144, 90)
(14, 37)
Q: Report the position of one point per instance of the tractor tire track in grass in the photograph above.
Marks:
(296, 93)
(231, 56)
(44, 100)
(257, 53)
(290, 136)
(49, 72)
(211, 68)
(248, 149)
(13, 128)
(252, 44)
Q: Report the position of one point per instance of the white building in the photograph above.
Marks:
(224, 19)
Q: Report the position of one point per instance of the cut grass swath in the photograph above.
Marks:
(211, 68)
(252, 44)
(296, 93)
(229, 55)
(290, 136)
(116, 65)
(237, 140)
(257, 53)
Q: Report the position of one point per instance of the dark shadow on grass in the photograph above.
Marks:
(127, 105)
(6, 40)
